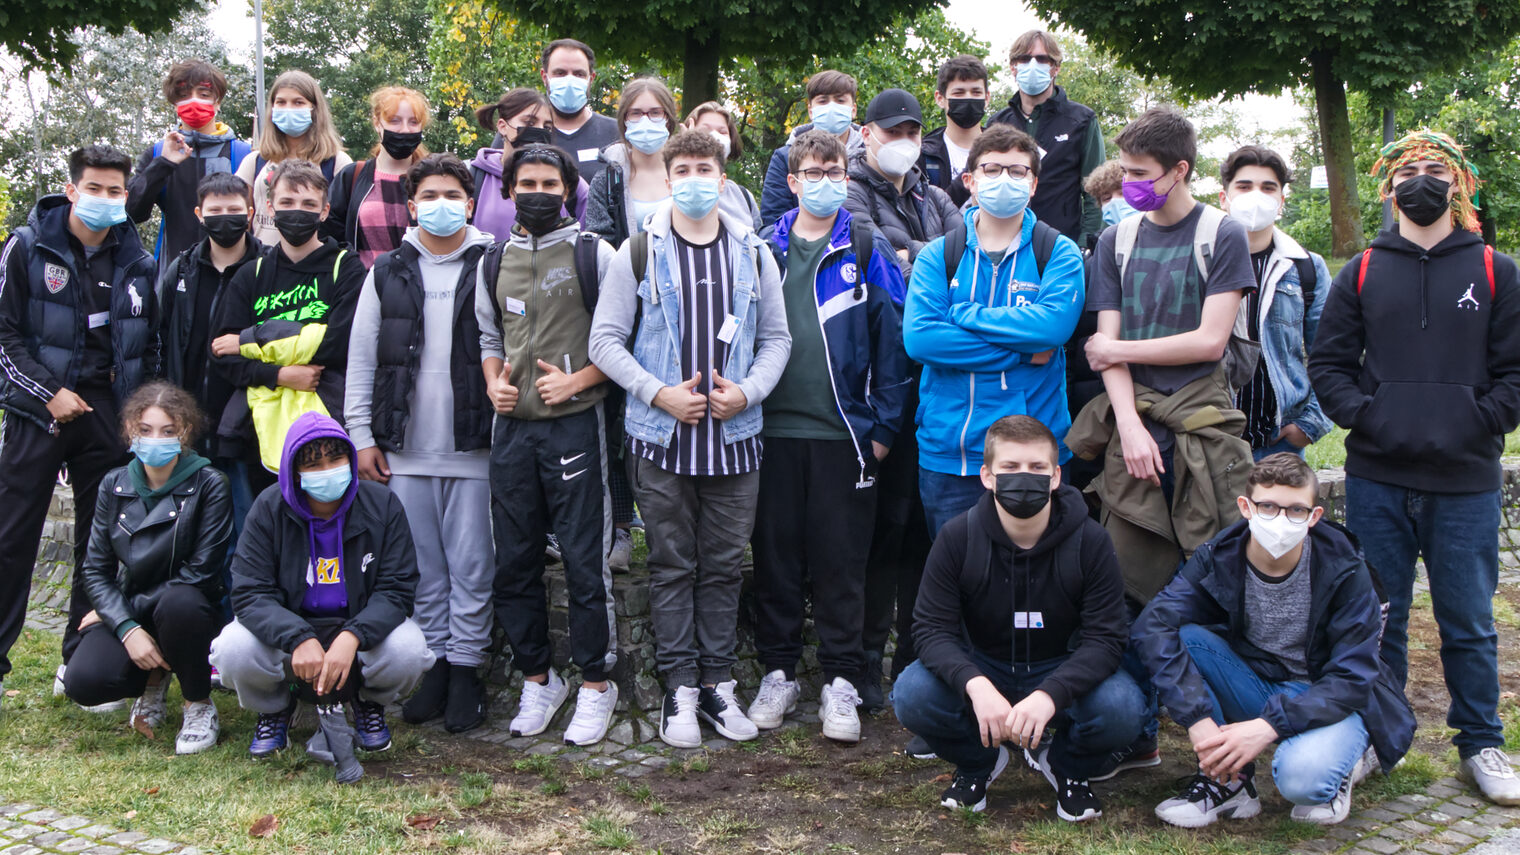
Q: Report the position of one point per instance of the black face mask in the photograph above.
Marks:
(400, 146)
(296, 226)
(966, 112)
(1422, 198)
(539, 213)
(1022, 494)
(225, 230)
(530, 136)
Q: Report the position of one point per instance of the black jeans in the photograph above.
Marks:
(182, 624)
(899, 547)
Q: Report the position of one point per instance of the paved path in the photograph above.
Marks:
(31, 830)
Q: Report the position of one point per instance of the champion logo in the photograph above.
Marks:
(56, 276)
(1468, 301)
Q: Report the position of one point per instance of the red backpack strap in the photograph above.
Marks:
(1361, 275)
(1488, 264)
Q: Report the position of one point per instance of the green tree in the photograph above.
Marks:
(42, 35)
(1379, 47)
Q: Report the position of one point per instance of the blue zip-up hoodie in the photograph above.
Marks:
(976, 337)
(862, 331)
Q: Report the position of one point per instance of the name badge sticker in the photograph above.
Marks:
(730, 328)
(586, 155)
(99, 319)
(516, 306)
(1028, 620)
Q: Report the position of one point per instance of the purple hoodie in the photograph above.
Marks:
(325, 594)
(495, 215)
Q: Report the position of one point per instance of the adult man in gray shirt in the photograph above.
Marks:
(568, 68)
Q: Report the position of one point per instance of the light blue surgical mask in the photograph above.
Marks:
(831, 118)
(156, 451)
(568, 93)
(99, 213)
(292, 121)
(441, 217)
(823, 197)
(647, 135)
(1003, 197)
(327, 485)
(1033, 77)
(1116, 209)
(695, 197)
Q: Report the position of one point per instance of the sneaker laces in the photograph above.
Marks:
(535, 695)
(963, 782)
(1201, 787)
(369, 717)
(269, 725)
(198, 717)
(843, 701)
(686, 702)
(725, 693)
(1074, 788)
(1494, 762)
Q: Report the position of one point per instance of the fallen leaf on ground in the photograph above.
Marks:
(423, 821)
(131, 814)
(264, 826)
(11, 693)
(141, 725)
(942, 779)
(1503, 696)
(152, 791)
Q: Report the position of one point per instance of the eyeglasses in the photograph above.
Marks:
(1297, 514)
(993, 170)
(1041, 58)
(656, 113)
(836, 173)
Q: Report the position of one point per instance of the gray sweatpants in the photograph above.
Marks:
(261, 674)
(450, 520)
(697, 527)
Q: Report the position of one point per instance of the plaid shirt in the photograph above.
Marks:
(383, 218)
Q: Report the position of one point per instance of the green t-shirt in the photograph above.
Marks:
(802, 405)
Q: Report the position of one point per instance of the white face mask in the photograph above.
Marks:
(1255, 210)
(1278, 535)
(897, 157)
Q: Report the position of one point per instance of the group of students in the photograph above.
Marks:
(1045, 414)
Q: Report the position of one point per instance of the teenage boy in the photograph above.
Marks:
(302, 280)
(989, 334)
(886, 186)
(169, 173)
(1283, 309)
(831, 109)
(568, 68)
(709, 345)
(1070, 137)
(549, 463)
(962, 92)
(1418, 355)
(828, 424)
(1270, 635)
(78, 323)
(1021, 625)
(417, 411)
(322, 585)
(1106, 185)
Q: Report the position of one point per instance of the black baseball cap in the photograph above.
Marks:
(892, 107)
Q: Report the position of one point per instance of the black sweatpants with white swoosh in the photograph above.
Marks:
(551, 475)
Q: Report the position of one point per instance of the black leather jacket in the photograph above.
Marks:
(134, 554)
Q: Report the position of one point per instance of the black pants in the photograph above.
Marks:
(617, 460)
(548, 476)
(812, 534)
(29, 461)
(183, 624)
(899, 547)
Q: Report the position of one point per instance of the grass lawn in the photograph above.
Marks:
(1331, 448)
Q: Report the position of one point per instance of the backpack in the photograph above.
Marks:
(585, 267)
(1043, 239)
(1242, 353)
(1488, 265)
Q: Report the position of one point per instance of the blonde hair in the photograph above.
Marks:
(321, 139)
(384, 103)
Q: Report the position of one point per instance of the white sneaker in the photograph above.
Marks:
(58, 681)
(836, 709)
(150, 710)
(1490, 771)
(200, 729)
(777, 697)
(593, 715)
(1339, 807)
(622, 551)
(538, 704)
(1206, 800)
(719, 708)
(678, 718)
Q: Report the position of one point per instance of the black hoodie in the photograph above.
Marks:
(963, 603)
(1421, 361)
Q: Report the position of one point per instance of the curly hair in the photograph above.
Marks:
(177, 404)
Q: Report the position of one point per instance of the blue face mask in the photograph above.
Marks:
(1003, 197)
(695, 197)
(1116, 209)
(831, 118)
(98, 213)
(441, 217)
(568, 93)
(823, 197)
(292, 121)
(156, 451)
(1033, 77)
(327, 485)
(647, 135)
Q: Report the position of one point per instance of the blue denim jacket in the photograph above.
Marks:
(1286, 334)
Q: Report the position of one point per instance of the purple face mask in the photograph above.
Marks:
(1142, 195)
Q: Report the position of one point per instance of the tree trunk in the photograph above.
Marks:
(699, 81)
(1346, 237)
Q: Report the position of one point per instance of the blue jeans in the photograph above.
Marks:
(1095, 725)
(1458, 536)
(1280, 445)
(1307, 768)
(946, 497)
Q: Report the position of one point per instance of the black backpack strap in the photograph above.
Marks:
(861, 238)
(616, 202)
(585, 269)
(478, 176)
(1044, 240)
(493, 272)
(1308, 279)
(955, 247)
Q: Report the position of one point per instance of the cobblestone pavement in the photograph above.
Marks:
(31, 830)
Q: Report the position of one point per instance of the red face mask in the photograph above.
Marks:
(195, 112)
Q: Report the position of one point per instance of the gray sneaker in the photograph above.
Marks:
(200, 729)
(1490, 771)
(149, 710)
(622, 551)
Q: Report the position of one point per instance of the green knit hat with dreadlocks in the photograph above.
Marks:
(1422, 145)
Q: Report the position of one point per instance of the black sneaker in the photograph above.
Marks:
(427, 703)
(970, 791)
(918, 749)
(1204, 800)
(369, 723)
(718, 706)
(872, 699)
(466, 708)
(1140, 754)
(1075, 801)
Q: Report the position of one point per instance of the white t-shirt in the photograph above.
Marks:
(958, 157)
